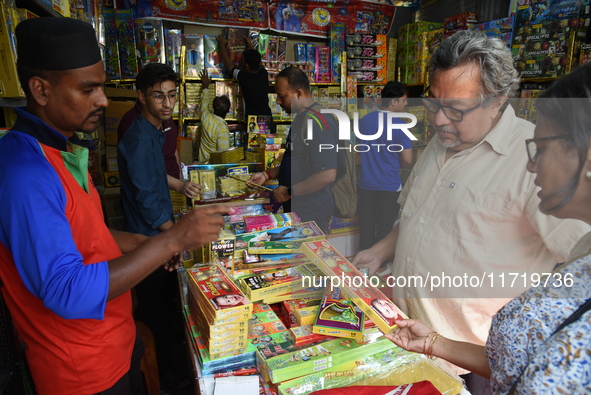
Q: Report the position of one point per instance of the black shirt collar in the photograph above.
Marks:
(29, 124)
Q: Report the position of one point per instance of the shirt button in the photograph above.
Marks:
(439, 183)
(422, 221)
(408, 259)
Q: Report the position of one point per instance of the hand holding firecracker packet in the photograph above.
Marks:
(341, 272)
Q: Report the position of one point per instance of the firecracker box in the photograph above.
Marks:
(218, 294)
(285, 366)
(368, 298)
(278, 282)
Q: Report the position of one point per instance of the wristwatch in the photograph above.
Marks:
(289, 191)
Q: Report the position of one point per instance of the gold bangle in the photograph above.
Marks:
(426, 340)
(430, 352)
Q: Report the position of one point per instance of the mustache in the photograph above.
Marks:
(446, 129)
(96, 112)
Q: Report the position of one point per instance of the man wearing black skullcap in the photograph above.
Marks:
(65, 280)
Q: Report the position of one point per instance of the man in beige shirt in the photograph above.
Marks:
(470, 208)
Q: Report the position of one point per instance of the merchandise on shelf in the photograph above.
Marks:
(149, 34)
(127, 46)
(536, 11)
(236, 44)
(232, 91)
(337, 46)
(455, 23)
(212, 59)
(173, 40)
(194, 61)
(112, 65)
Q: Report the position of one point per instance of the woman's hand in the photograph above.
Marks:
(411, 335)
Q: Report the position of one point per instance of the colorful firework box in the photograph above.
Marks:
(373, 40)
(539, 50)
(236, 44)
(270, 221)
(215, 340)
(149, 35)
(240, 269)
(217, 362)
(266, 328)
(306, 231)
(278, 282)
(212, 59)
(289, 308)
(209, 285)
(173, 39)
(306, 316)
(401, 366)
(194, 54)
(112, 65)
(545, 30)
(272, 258)
(285, 366)
(303, 336)
(126, 41)
(370, 300)
(274, 247)
(338, 316)
(323, 71)
(313, 292)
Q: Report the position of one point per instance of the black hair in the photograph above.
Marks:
(394, 90)
(252, 58)
(25, 73)
(296, 78)
(221, 106)
(154, 73)
(567, 105)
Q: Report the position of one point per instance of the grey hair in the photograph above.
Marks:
(498, 74)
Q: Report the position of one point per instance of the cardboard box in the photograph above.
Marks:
(285, 366)
(368, 298)
(113, 114)
(210, 283)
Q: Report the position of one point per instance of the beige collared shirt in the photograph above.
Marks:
(475, 216)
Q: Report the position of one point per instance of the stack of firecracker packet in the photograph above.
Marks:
(269, 309)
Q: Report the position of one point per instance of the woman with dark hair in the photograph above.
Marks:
(540, 342)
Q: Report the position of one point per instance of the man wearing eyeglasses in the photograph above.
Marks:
(147, 207)
(470, 208)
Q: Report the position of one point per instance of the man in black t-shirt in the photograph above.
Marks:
(253, 79)
(309, 166)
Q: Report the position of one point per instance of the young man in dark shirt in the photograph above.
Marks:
(252, 77)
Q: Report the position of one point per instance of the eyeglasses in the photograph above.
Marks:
(160, 97)
(532, 149)
(452, 113)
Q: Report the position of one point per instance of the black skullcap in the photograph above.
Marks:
(56, 44)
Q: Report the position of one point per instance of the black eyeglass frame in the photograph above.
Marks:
(425, 99)
(534, 159)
